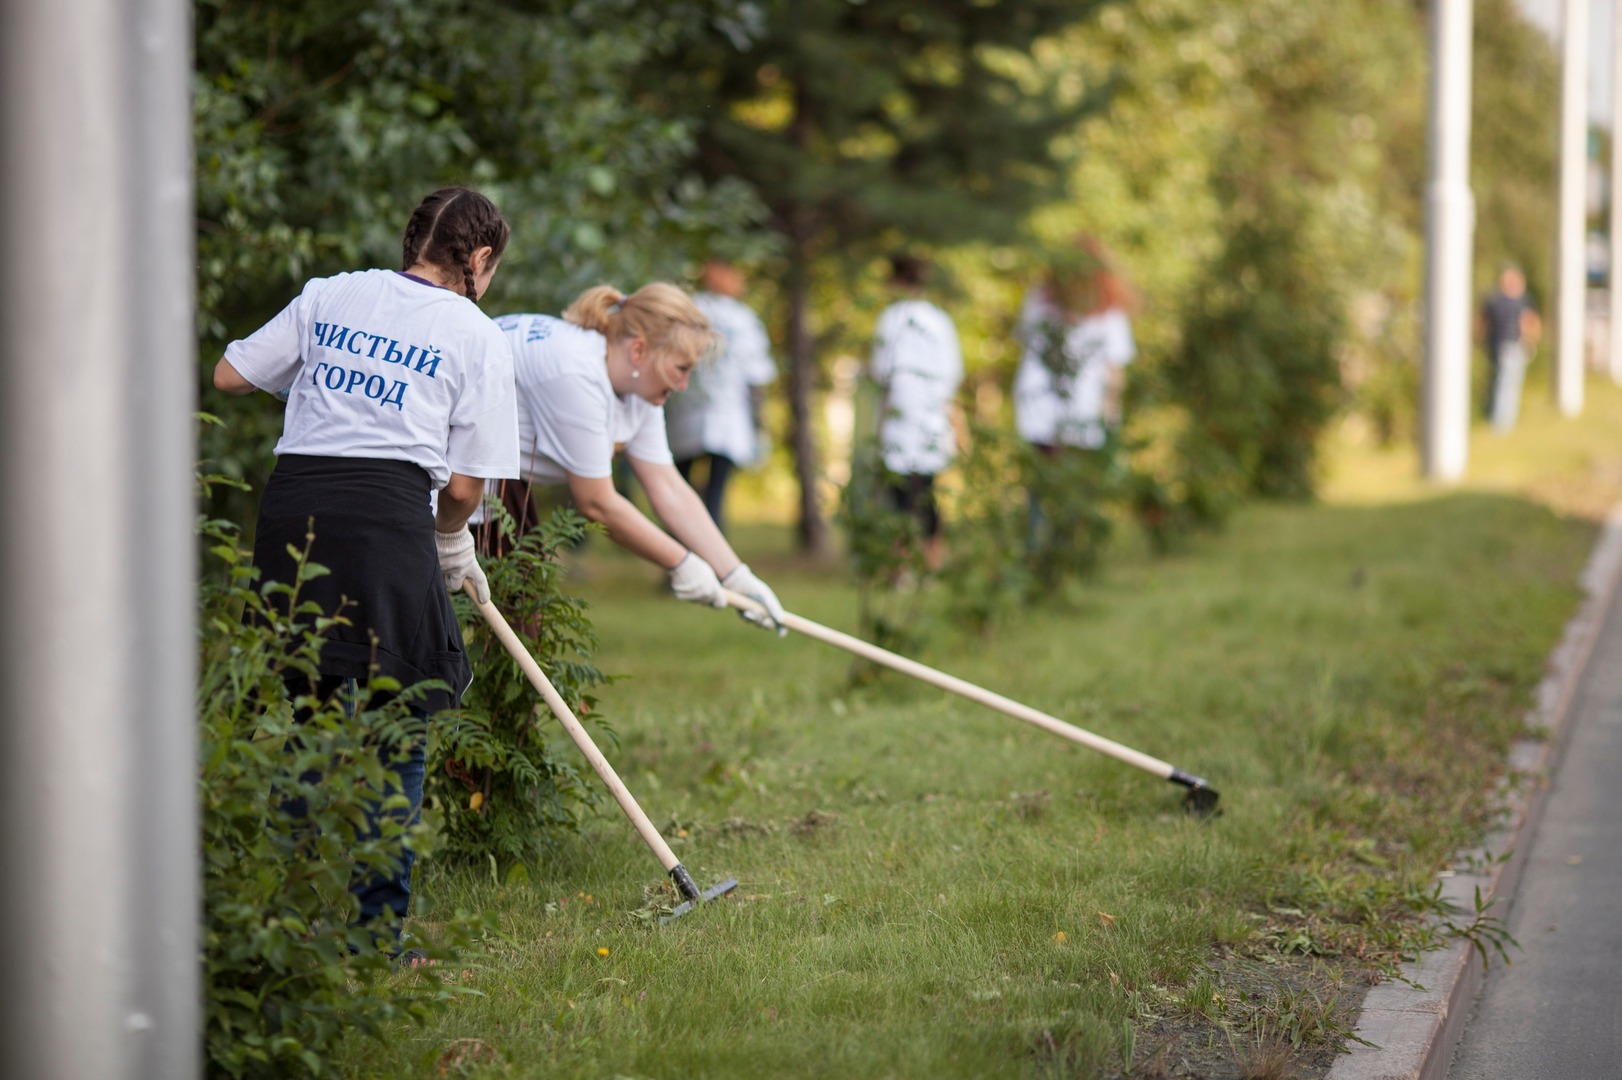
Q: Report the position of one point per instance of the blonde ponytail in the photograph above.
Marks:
(595, 309)
(660, 313)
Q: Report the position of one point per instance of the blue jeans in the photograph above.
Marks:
(1509, 371)
(378, 892)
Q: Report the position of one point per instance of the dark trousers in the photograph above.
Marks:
(715, 483)
(913, 494)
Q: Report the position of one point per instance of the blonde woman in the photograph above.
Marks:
(594, 382)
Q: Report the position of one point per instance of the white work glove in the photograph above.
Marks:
(743, 581)
(458, 562)
(694, 579)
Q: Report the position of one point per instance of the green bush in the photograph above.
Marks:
(288, 972)
(1159, 495)
(886, 552)
(505, 794)
(986, 574)
(1073, 490)
(1258, 367)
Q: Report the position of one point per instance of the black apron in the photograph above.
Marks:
(374, 531)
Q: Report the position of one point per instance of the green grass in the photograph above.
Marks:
(931, 889)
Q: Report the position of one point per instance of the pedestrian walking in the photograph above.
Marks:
(717, 420)
(917, 364)
(1509, 329)
(594, 382)
(397, 387)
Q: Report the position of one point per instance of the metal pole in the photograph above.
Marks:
(1571, 255)
(1449, 229)
(98, 821)
(1614, 276)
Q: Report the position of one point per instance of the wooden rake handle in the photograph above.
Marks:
(979, 694)
(582, 739)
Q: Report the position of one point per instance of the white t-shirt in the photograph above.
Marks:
(570, 421)
(918, 362)
(1066, 408)
(712, 416)
(380, 365)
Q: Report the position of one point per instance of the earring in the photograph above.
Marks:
(636, 373)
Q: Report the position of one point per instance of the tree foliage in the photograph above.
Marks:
(1515, 88)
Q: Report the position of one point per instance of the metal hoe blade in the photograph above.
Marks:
(719, 889)
(1202, 802)
(1201, 798)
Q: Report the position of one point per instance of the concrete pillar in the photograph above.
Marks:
(99, 893)
(1571, 254)
(1449, 236)
(1614, 276)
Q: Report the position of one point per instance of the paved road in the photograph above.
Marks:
(1557, 1014)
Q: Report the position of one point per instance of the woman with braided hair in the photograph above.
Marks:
(397, 386)
(593, 382)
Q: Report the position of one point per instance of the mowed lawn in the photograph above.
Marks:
(930, 889)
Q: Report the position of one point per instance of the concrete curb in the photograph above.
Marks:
(1415, 1031)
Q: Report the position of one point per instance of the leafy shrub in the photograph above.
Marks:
(1166, 487)
(1071, 490)
(886, 552)
(1258, 367)
(288, 972)
(506, 794)
(986, 574)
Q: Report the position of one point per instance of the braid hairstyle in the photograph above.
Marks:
(446, 229)
(662, 314)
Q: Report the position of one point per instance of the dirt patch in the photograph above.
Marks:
(815, 823)
(1256, 1016)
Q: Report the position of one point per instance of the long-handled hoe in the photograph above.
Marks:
(1200, 797)
(691, 895)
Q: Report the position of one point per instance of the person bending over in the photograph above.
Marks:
(593, 382)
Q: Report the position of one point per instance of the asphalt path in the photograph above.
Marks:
(1557, 1013)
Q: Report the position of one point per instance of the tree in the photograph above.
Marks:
(1310, 223)
(1515, 96)
(867, 125)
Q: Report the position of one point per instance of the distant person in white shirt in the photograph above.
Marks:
(1077, 339)
(592, 383)
(397, 387)
(716, 418)
(917, 364)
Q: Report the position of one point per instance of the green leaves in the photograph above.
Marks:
(286, 825)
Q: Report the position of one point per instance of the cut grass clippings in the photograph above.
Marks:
(932, 889)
